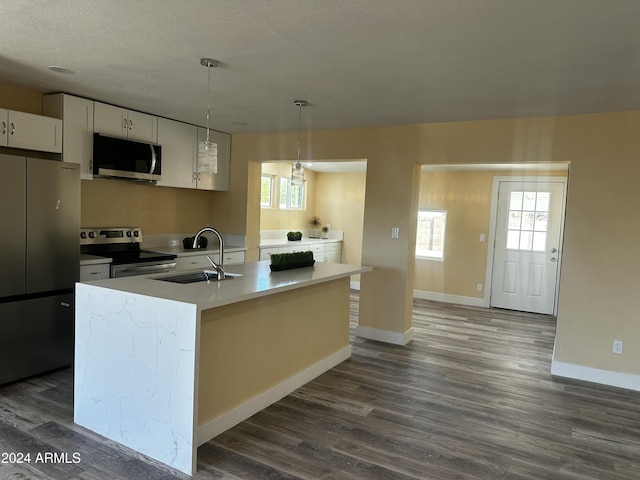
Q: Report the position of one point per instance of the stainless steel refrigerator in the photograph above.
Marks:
(39, 264)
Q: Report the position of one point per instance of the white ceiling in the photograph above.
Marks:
(360, 63)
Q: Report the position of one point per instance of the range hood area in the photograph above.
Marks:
(40, 210)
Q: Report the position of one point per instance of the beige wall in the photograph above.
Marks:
(158, 210)
(466, 197)
(340, 202)
(13, 97)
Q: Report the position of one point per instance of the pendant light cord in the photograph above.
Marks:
(208, 99)
(299, 117)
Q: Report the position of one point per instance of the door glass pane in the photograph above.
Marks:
(539, 241)
(513, 239)
(514, 220)
(542, 203)
(529, 201)
(526, 240)
(515, 202)
(527, 220)
(542, 219)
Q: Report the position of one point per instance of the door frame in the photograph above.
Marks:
(564, 179)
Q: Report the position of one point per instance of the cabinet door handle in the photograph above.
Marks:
(130, 124)
(13, 128)
(4, 127)
(125, 124)
(64, 304)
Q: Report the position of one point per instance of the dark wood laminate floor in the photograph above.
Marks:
(470, 398)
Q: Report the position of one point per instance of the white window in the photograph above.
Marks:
(291, 196)
(431, 234)
(266, 191)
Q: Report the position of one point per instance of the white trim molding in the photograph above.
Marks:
(595, 375)
(354, 285)
(395, 338)
(240, 413)
(449, 298)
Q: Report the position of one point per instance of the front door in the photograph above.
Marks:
(526, 255)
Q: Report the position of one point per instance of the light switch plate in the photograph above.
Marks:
(395, 232)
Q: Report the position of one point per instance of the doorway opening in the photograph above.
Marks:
(467, 196)
(333, 191)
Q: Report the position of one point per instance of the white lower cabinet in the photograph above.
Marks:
(98, 271)
(187, 262)
(326, 252)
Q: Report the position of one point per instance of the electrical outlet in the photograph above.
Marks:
(617, 347)
(395, 232)
(478, 287)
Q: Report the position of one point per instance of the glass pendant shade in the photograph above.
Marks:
(207, 157)
(297, 174)
(297, 170)
(207, 150)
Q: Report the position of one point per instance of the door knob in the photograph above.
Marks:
(553, 259)
(554, 250)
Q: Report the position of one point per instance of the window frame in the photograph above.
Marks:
(288, 195)
(422, 256)
(272, 185)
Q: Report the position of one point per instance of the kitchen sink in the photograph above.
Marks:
(207, 275)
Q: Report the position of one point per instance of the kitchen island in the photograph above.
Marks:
(163, 367)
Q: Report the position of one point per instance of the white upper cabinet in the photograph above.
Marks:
(220, 180)
(30, 132)
(123, 123)
(179, 153)
(77, 129)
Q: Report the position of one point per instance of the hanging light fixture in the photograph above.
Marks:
(208, 150)
(297, 170)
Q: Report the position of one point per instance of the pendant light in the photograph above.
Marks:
(208, 150)
(297, 170)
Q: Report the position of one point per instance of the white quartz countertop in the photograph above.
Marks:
(93, 259)
(257, 281)
(283, 242)
(182, 252)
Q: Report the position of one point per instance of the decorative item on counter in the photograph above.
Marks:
(294, 236)
(187, 242)
(325, 232)
(287, 261)
(315, 224)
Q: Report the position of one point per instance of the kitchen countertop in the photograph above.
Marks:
(257, 281)
(93, 259)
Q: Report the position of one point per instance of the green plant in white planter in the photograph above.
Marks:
(315, 224)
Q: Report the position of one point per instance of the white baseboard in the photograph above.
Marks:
(224, 422)
(448, 298)
(386, 336)
(596, 375)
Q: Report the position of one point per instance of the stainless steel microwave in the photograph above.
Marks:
(121, 158)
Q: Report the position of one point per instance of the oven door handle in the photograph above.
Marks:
(137, 269)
